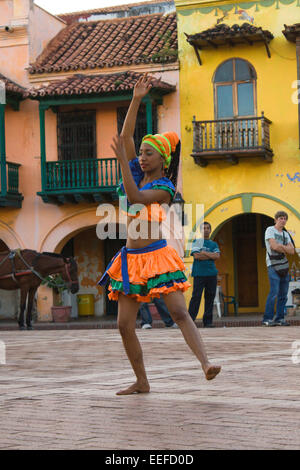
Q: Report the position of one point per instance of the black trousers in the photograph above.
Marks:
(209, 283)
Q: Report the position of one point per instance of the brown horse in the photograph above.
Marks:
(26, 270)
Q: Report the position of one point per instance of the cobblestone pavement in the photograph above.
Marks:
(57, 391)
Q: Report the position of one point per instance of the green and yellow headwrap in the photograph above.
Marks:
(164, 143)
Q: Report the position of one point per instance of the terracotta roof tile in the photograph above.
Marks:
(109, 43)
(223, 31)
(13, 88)
(292, 32)
(80, 84)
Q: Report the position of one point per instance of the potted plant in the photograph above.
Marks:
(60, 312)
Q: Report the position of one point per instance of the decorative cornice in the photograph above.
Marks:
(205, 6)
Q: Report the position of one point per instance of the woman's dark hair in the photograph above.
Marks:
(172, 171)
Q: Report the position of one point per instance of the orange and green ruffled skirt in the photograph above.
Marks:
(146, 273)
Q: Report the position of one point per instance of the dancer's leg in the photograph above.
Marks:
(127, 313)
(175, 302)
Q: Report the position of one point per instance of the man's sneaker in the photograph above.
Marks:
(146, 326)
(282, 323)
(174, 325)
(268, 323)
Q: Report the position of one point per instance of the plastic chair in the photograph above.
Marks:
(285, 312)
(227, 300)
(217, 301)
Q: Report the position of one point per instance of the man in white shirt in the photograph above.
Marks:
(278, 245)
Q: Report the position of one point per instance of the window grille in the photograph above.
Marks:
(76, 133)
(141, 123)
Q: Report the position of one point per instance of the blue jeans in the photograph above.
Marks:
(209, 283)
(162, 310)
(279, 287)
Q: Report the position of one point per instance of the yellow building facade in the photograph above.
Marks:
(240, 130)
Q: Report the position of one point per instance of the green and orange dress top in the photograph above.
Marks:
(147, 272)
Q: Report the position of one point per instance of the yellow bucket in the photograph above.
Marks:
(86, 304)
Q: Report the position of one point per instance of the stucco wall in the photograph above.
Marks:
(274, 97)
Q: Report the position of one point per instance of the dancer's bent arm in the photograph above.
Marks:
(134, 195)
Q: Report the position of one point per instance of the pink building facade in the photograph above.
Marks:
(67, 90)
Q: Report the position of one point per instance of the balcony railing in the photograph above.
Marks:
(10, 195)
(85, 179)
(13, 177)
(231, 139)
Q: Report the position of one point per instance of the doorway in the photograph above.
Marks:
(242, 262)
(244, 230)
(3, 246)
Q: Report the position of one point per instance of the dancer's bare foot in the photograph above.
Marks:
(211, 372)
(137, 387)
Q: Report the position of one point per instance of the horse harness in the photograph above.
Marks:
(31, 270)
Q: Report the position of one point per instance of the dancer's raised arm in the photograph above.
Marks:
(141, 88)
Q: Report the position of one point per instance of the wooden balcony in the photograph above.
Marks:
(85, 180)
(231, 139)
(10, 196)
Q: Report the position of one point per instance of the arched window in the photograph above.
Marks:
(235, 89)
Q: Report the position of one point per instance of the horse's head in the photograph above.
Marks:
(70, 275)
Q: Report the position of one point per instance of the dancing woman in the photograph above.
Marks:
(147, 267)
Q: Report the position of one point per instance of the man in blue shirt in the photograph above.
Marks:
(204, 272)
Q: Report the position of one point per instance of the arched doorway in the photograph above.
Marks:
(111, 247)
(223, 216)
(92, 255)
(242, 261)
(3, 246)
(10, 239)
(9, 299)
(78, 236)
